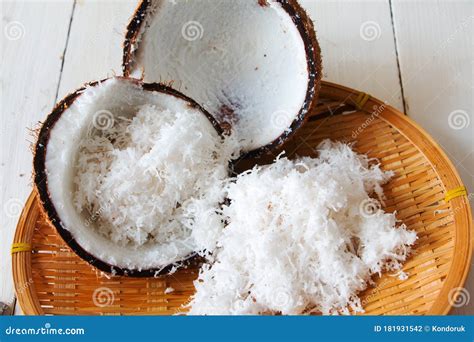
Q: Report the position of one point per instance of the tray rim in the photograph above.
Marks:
(437, 158)
(442, 305)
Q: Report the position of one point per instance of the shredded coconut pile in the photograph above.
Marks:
(302, 236)
(153, 178)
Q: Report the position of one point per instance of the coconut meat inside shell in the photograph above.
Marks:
(95, 109)
(244, 61)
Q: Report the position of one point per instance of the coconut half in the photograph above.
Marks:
(255, 65)
(122, 203)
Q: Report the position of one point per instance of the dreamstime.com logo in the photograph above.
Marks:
(13, 207)
(459, 119)
(370, 30)
(192, 30)
(459, 297)
(281, 299)
(103, 120)
(46, 330)
(102, 297)
(369, 207)
(14, 30)
(281, 119)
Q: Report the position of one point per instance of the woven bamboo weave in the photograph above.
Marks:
(426, 193)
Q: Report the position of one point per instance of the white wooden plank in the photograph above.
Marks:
(18, 310)
(357, 44)
(95, 43)
(32, 39)
(436, 52)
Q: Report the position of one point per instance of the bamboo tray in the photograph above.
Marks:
(426, 193)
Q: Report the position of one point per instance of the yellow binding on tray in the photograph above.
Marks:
(361, 100)
(456, 192)
(20, 247)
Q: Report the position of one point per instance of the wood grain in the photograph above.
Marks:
(436, 65)
(33, 37)
(357, 45)
(95, 43)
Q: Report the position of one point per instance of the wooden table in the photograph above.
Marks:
(416, 55)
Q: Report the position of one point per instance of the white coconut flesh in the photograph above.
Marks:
(134, 175)
(303, 236)
(243, 62)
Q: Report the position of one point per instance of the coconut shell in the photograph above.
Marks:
(313, 53)
(47, 205)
